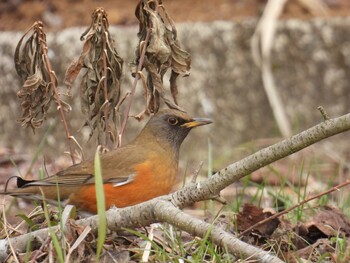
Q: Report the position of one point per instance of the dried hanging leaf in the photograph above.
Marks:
(163, 52)
(100, 85)
(36, 93)
(39, 89)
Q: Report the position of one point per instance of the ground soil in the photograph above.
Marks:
(20, 14)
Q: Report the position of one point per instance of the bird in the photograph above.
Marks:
(141, 170)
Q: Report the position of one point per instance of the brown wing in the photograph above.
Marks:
(117, 168)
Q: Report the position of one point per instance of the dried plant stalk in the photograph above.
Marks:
(163, 52)
(100, 85)
(261, 44)
(35, 94)
(39, 89)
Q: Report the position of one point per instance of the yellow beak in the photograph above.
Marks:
(196, 122)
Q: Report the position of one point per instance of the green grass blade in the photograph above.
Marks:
(52, 233)
(101, 206)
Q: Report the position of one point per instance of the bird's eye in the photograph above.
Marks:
(172, 121)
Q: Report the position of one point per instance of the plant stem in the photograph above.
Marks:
(137, 77)
(39, 29)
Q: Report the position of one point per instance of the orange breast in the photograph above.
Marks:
(152, 179)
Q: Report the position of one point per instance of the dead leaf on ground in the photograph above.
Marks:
(328, 222)
(251, 215)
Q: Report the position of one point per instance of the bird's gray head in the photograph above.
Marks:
(172, 126)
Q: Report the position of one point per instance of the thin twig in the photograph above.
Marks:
(137, 77)
(335, 188)
(196, 172)
(324, 113)
(105, 92)
(79, 146)
(220, 199)
(37, 252)
(39, 30)
(8, 237)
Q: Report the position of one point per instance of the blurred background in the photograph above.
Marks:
(57, 15)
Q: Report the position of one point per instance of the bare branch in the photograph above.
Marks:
(197, 227)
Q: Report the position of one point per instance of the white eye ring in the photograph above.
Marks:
(173, 121)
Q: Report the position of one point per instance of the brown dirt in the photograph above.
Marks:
(20, 14)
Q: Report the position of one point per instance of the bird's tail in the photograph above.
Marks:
(31, 190)
(21, 190)
(21, 183)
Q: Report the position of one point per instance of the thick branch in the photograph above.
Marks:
(172, 215)
(156, 210)
(146, 213)
(232, 173)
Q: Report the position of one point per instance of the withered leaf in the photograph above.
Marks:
(73, 72)
(31, 84)
(100, 85)
(33, 67)
(252, 215)
(157, 46)
(163, 52)
(329, 221)
(35, 96)
(181, 60)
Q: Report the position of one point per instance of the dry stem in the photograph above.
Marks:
(137, 77)
(39, 29)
